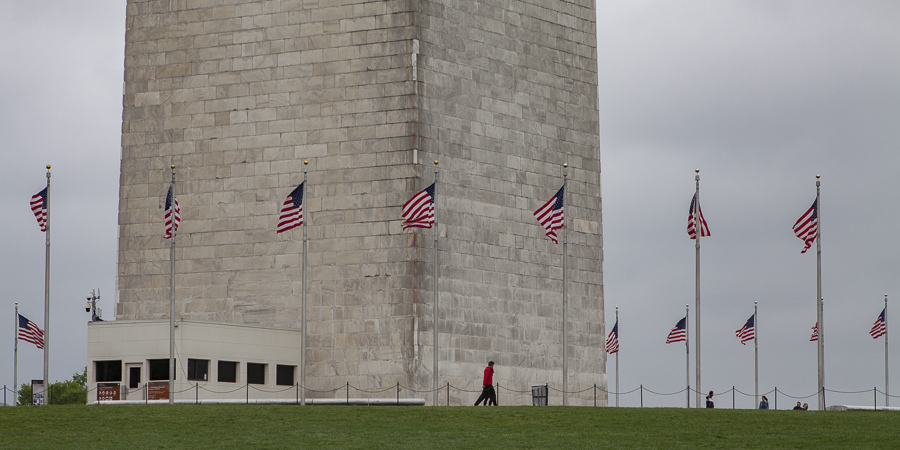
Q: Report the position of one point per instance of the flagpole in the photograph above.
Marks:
(46, 299)
(820, 344)
(565, 305)
(303, 295)
(172, 298)
(687, 357)
(434, 400)
(755, 355)
(887, 389)
(16, 359)
(617, 361)
(699, 231)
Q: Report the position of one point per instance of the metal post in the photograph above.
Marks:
(887, 385)
(15, 360)
(248, 393)
(642, 396)
(172, 300)
(47, 297)
(565, 303)
(196, 393)
(348, 392)
(448, 393)
(436, 302)
(776, 397)
(398, 392)
(617, 362)
(755, 355)
(820, 344)
(303, 318)
(687, 358)
(732, 396)
(699, 232)
(595, 395)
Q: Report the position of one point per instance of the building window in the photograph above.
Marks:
(198, 369)
(159, 369)
(284, 375)
(256, 373)
(108, 370)
(228, 372)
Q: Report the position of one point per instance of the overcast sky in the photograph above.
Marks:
(759, 95)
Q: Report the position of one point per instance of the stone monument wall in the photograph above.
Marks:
(237, 94)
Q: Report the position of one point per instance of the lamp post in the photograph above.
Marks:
(91, 306)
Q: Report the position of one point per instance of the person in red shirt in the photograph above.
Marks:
(487, 387)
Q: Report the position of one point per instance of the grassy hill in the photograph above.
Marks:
(283, 426)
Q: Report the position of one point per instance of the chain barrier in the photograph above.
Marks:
(799, 398)
(847, 392)
(660, 393)
(461, 393)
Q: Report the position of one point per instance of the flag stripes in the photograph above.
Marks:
(552, 214)
(678, 333)
(173, 214)
(612, 342)
(879, 329)
(748, 331)
(815, 333)
(29, 332)
(39, 208)
(807, 226)
(418, 211)
(693, 212)
(291, 211)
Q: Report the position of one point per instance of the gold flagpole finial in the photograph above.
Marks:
(305, 162)
(565, 165)
(435, 162)
(696, 170)
(817, 176)
(48, 166)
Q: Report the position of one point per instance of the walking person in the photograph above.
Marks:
(487, 387)
(709, 400)
(764, 404)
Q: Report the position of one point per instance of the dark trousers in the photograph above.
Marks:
(488, 396)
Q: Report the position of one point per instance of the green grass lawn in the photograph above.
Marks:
(285, 426)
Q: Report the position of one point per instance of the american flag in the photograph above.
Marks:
(696, 211)
(748, 331)
(807, 226)
(551, 215)
(291, 211)
(678, 334)
(39, 208)
(30, 332)
(815, 333)
(419, 210)
(880, 328)
(612, 342)
(173, 214)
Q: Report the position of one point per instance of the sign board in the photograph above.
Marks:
(158, 391)
(107, 392)
(37, 392)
